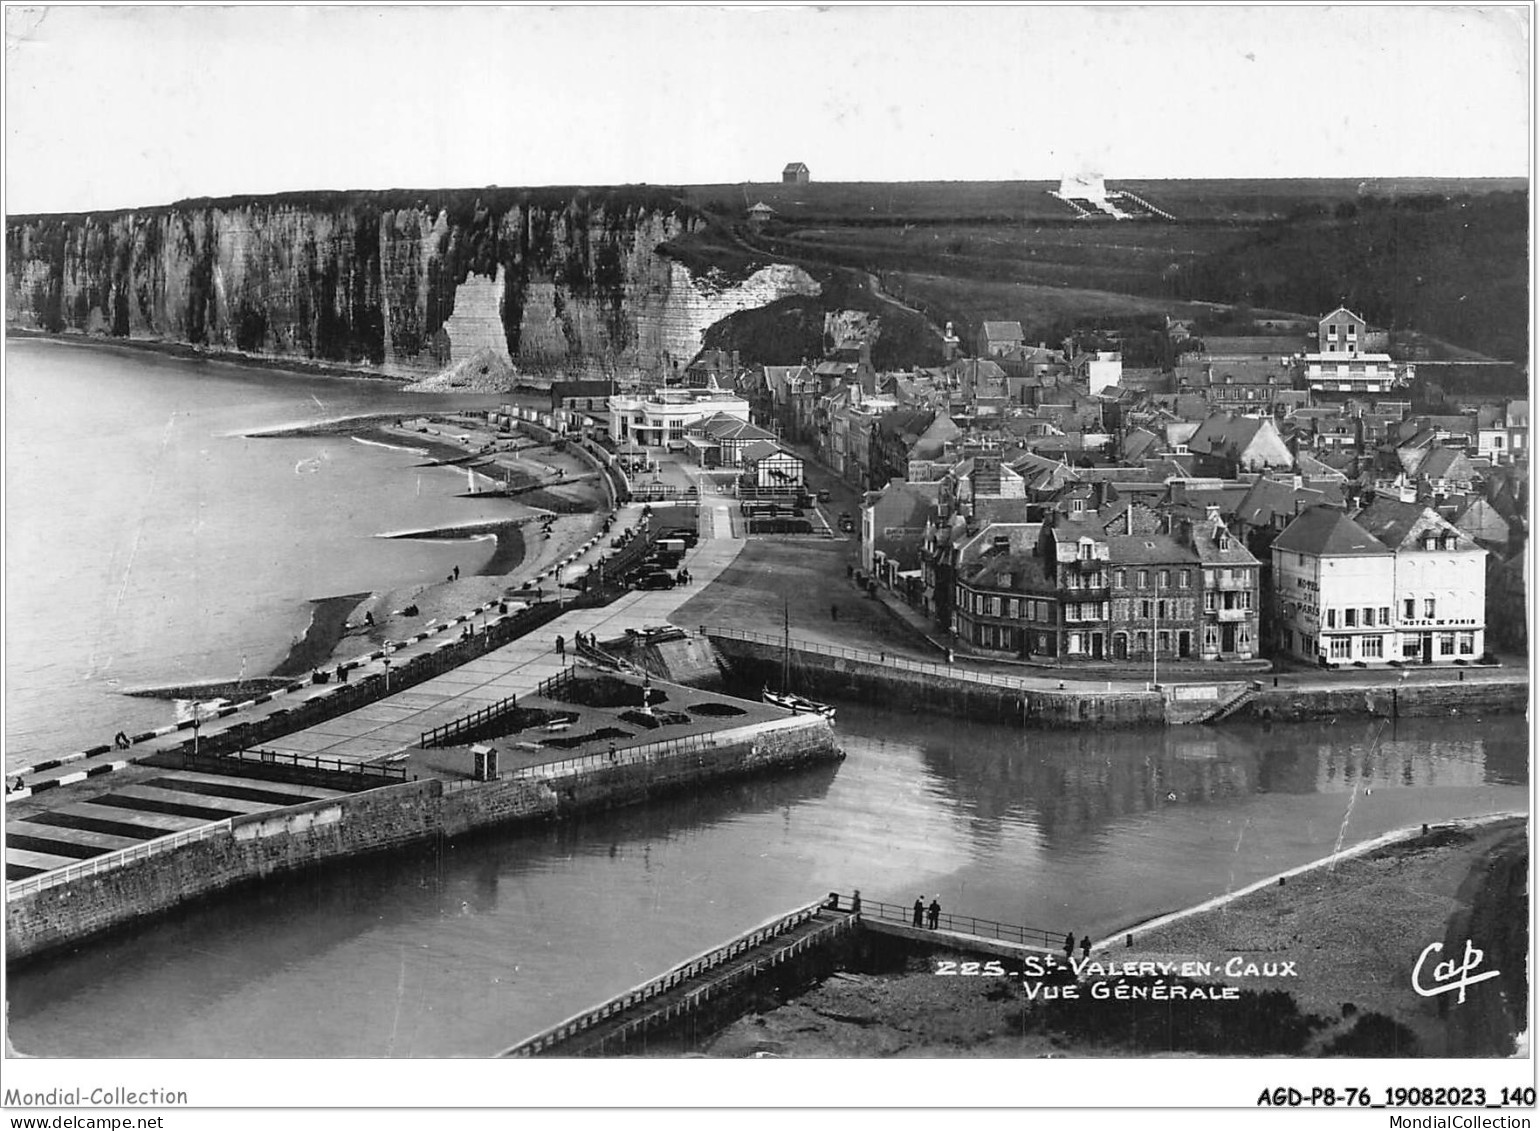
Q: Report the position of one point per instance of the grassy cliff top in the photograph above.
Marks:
(494, 198)
(1211, 199)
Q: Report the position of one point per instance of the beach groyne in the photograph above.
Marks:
(63, 907)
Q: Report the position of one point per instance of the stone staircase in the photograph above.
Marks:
(1187, 704)
(1231, 704)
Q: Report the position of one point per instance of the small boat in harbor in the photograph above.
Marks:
(797, 703)
(784, 698)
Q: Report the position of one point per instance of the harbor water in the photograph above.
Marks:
(462, 948)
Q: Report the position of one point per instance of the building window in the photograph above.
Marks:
(1144, 610)
(1446, 644)
(1374, 648)
(1210, 601)
(1144, 579)
(1165, 579)
(1467, 643)
(1073, 644)
(1142, 642)
(1427, 608)
(1211, 638)
(1331, 618)
(1368, 617)
(1163, 641)
(1411, 647)
(1011, 608)
(1121, 578)
(1184, 579)
(1385, 615)
(1341, 647)
(1409, 612)
(1162, 609)
(1349, 618)
(994, 606)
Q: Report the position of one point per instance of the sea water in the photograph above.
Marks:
(149, 540)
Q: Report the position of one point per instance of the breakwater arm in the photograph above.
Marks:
(62, 907)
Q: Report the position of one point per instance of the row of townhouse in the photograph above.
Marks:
(1090, 590)
(1043, 561)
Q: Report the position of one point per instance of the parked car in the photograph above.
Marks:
(658, 579)
(663, 560)
(847, 525)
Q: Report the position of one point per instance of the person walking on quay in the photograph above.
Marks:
(561, 646)
(1085, 946)
(935, 913)
(1069, 945)
(919, 912)
(855, 902)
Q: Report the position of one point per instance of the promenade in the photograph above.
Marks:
(91, 805)
(393, 725)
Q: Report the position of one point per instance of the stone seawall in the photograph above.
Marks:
(817, 674)
(1411, 700)
(98, 896)
(933, 687)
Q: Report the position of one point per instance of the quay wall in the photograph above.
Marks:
(816, 674)
(930, 686)
(1411, 700)
(105, 893)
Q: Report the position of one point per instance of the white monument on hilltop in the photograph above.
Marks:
(1084, 186)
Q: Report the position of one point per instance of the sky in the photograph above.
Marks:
(110, 107)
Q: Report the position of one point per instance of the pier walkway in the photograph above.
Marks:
(695, 984)
(110, 802)
(630, 1016)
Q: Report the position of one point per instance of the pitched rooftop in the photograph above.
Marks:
(1326, 532)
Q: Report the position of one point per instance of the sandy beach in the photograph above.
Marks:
(541, 529)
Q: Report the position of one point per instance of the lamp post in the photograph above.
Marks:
(1155, 635)
(387, 673)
